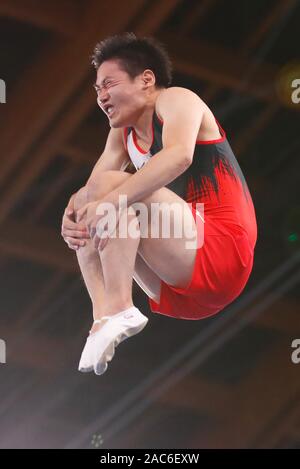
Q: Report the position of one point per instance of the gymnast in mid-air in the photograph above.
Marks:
(167, 156)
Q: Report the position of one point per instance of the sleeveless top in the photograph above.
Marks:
(214, 178)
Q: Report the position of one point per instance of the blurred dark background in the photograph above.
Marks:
(223, 382)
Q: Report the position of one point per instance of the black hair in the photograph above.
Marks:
(136, 55)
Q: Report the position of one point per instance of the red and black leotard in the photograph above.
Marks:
(224, 262)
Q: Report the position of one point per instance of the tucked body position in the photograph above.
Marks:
(166, 203)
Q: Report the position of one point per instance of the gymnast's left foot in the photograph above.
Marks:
(100, 345)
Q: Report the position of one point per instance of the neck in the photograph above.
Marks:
(143, 125)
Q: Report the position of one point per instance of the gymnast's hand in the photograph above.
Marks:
(101, 221)
(75, 234)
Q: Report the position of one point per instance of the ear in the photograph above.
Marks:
(148, 78)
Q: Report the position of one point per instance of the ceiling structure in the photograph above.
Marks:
(223, 382)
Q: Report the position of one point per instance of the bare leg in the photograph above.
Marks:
(109, 279)
(170, 259)
(90, 265)
(118, 262)
(159, 259)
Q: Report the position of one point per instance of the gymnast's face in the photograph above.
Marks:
(122, 98)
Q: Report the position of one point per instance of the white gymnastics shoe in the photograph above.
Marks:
(100, 345)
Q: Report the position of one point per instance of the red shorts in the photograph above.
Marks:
(221, 270)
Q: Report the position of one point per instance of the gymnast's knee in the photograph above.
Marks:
(95, 188)
(104, 182)
(81, 198)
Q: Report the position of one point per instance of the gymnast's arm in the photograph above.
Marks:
(114, 157)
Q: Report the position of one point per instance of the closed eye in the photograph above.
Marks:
(105, 85)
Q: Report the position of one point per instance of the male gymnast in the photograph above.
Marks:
(164, 147)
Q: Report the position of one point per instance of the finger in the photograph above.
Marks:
(72, 246)
(96, 228)
(74, 241)
(71, 222)
(92, 232)
(103, 242)
(69, 214)
(96, 231)
(70, 225)
(81, 212)
(97, 238)
(96, 242)
(68, 211)
(76, 234)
